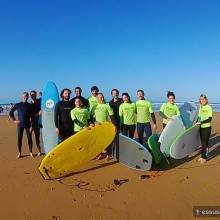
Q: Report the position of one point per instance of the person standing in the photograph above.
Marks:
(127, 111)
(114, 104)
(93, 99)
(36, 111)
(84, 101)
(101, 112)
(80, 116)
(169, 109)
(204, 120)
(62, 118)
(23, 122)
(144, 112)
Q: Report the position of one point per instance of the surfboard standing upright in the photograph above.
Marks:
(174, 128)
(186, 143)
(50, 97)
(75, 151)
(133, 155)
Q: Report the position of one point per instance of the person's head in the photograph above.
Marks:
(78, 102)
(203, 100)
(140, 94)
(115, 93)
(94, 90)
(126, 98)
(25, 96)
(65, 94)
(33, 94)
(100, 98)
(78, 91)
(171, 97)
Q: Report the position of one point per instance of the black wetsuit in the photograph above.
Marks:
(24, 116)
(62, 119)
(36, 124)
(115, 143)
(84, 101)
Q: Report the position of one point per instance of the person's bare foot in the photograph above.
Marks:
(19, 155)
(107, 157)
(201, 160)
(31, 154)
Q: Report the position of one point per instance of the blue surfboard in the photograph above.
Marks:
(133, 155)
(50, 97)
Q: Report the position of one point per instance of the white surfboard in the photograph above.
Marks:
(133, 155)
(186, 143)
(174, 128)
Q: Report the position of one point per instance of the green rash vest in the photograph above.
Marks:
(82, 115)
(144, 109)
(127, 113)
(169, 110)
(204, 113)
(101, 112)
(92, 102)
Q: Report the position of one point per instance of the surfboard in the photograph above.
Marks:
(154, 146)
(186, 143)
(133, 155)
(50, 97)
(75, 151)
(174, 128)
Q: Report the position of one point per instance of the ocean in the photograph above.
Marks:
(156, 106)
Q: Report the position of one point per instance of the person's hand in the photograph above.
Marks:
(170, 119)
(198, 123)
(31, 129)
(17, 122)
(184, 128)
(86, 128)
(97, 123)
(57, 130)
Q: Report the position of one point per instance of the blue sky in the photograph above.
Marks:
(154, 45)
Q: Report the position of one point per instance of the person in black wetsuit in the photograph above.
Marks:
(36, 110)
(84, 101)
(23, 122)
(62, 118)
(114, 104)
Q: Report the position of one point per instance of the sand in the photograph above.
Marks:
(90, 193)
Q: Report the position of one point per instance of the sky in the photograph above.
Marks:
(153, 45)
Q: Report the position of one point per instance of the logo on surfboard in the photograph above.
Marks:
(49, 103)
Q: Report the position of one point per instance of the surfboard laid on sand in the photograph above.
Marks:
(75, 151)
(133, 155)
(154, 146)
(50, 97)
(186, 143)
(174, 128)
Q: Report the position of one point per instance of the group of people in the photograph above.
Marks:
(73, 115)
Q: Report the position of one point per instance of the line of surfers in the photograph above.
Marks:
(73, 115)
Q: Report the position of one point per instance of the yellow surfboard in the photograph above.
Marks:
(72, 153)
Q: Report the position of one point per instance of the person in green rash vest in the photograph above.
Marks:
(169, 109)
(80, 116)
(127, 111)
(101, 113)
(204, 120)
(93, 99)
(144, 112)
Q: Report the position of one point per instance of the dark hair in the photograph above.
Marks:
(115, 91)
(170, 94)
(95, 88)
(125, 93)
(140, 90)
(78, 88)
(61, 93)
(33, 91)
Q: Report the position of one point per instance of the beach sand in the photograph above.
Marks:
(90, 193)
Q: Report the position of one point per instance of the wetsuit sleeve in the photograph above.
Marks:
(11, 113)
(207, 120)
(56, 115)
(78, 123)
(153, 118)
(162, 115)
(112, 117)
